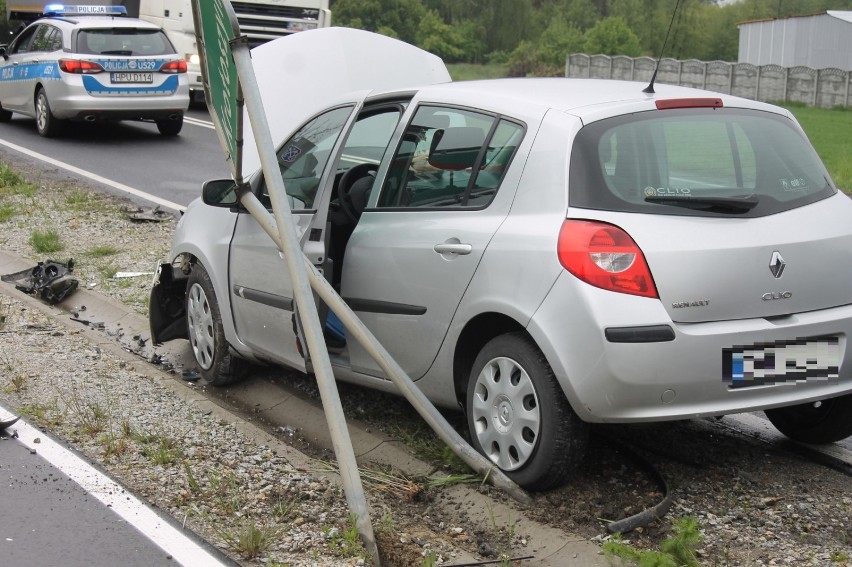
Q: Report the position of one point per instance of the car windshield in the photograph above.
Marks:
(123, 41)
(696, 162)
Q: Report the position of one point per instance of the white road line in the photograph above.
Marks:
(184, 550)
(197, 122)
(95, 177)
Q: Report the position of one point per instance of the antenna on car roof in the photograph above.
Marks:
(650, 88)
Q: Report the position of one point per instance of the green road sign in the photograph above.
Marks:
(215, 27)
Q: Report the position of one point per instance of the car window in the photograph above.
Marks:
(450, 157)
(303, 158)
(54, 39)
(22, 42)
(369, 137)
(41, 40)
(123, 41)
(667, 162)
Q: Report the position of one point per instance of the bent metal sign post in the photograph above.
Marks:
(228, 76)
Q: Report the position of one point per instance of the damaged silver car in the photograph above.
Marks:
(541, 253)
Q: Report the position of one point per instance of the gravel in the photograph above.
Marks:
(756, 504)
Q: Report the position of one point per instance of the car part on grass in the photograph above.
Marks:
(49, 280)
(7, 420)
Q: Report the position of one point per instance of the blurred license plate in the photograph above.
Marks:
(132, 77)
(796, 360)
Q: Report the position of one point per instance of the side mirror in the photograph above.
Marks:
(220, 193)
(3, 52)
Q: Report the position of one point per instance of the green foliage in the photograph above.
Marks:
(45, 242)
(676, 551)
(828, 130)
(7, 212)
(612, 36)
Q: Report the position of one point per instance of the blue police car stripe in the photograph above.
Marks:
(30, 71)
(95, 88)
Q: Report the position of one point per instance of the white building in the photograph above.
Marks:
(818, 41)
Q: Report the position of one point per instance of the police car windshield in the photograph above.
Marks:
(123, 41)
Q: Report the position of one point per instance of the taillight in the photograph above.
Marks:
(605, 256)
(80, 67)
(174, 67)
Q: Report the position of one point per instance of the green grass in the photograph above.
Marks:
(7, 212)
(11, 183)
(101, 251)
(45, 242)
(830, 131)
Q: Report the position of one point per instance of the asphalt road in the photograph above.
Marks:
(131, 154)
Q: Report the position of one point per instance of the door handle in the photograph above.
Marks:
(450, 248)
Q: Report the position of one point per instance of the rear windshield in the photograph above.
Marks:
(696, 162)
(123, 41)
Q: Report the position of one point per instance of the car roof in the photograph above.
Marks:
(101, 22)
(589, 99)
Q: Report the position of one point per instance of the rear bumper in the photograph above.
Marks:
(679, 378)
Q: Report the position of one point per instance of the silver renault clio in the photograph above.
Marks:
(542, 253)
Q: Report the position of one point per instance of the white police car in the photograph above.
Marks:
(92, 63)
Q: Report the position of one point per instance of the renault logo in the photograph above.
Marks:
(776, 264)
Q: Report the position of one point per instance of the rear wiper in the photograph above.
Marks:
(714, 204)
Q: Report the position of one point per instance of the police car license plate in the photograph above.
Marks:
(132, 77)
(797, 360)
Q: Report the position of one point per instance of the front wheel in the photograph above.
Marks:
(206, 336)
(170, 127)
(47, 124)
(823, 421)
(518, 415)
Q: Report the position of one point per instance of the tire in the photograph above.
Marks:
(5, 115)
(824, 421)
(170, 127)
(518, 415)
(206, 336)
(47, 124)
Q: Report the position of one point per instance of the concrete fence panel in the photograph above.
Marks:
(825, 88)
(773, 83)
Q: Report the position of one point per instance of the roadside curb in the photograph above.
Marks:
(550, 546)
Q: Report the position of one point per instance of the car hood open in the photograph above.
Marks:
(304, 73)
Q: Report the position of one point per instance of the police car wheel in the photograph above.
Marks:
(48, 125)
(170, 127)
(5, 115)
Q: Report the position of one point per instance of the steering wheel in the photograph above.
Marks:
(344, 189)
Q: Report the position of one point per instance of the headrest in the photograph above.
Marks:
(456, 148)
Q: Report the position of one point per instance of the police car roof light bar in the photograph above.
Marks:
(83, 10)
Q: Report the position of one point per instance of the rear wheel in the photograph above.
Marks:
(519, 417)
(823, 421)
(47, 124)
(206, 336)
(170, 127)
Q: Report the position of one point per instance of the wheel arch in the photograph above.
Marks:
(476, 333)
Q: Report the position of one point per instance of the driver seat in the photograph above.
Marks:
(360, 191)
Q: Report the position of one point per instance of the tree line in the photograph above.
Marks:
(533, 37)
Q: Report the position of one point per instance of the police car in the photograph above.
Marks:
(90, 63)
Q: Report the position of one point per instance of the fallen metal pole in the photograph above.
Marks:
(392, 369)
(288, 243)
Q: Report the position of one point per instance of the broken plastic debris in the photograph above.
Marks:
(146, 213)
(190, 376)
(49, 280)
